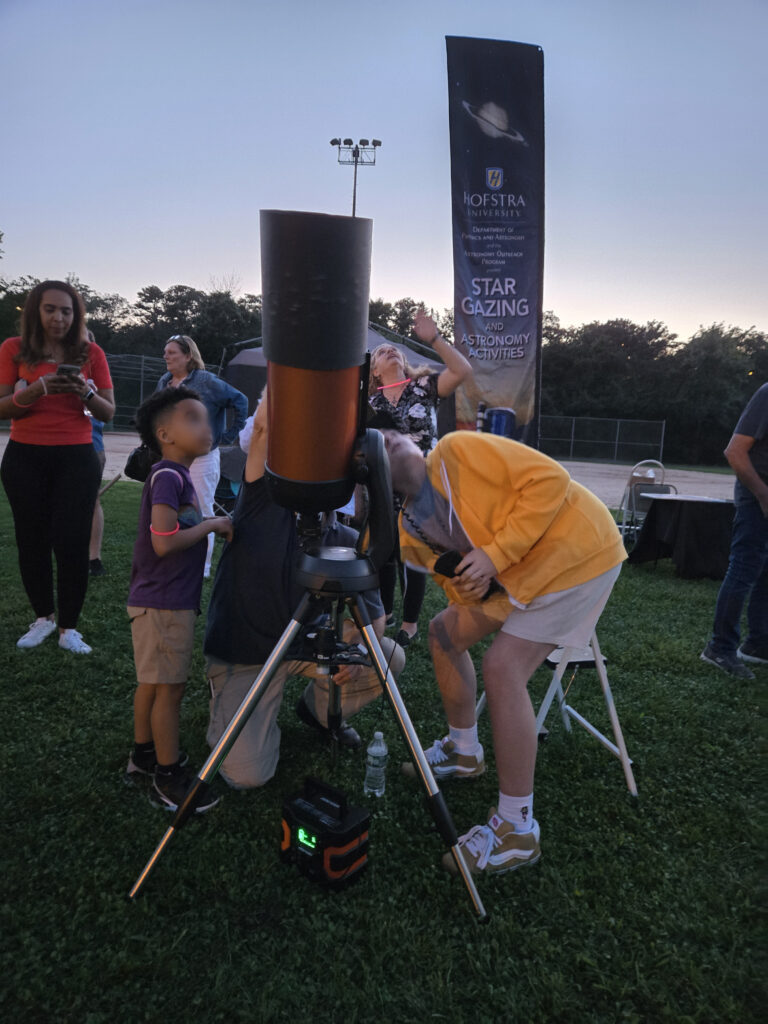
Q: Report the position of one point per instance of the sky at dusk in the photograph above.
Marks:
(140, 140)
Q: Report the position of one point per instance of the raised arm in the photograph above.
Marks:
(257, 450)
(457, 368)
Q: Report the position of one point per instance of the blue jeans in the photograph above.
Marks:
(747, 578)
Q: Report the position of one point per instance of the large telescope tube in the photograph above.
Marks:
(315, 273)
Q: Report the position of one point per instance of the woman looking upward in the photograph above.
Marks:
(410, 397)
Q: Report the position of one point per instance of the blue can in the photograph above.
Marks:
(501, 421)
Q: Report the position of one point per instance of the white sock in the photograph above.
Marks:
(518, 810)
(466, 740)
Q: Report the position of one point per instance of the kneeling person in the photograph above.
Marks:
(254, 597)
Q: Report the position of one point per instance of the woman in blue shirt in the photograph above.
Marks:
(186, 366)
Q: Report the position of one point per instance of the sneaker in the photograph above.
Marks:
(71, 640)
(729, 663)
(37, 632)
(390, 621)
(447, 763)
(146, 765)
(96, 567)
(752, 652)
(496, 847)
(170, 791)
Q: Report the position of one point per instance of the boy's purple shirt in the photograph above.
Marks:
(174, 582)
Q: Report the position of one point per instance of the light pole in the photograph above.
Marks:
(363, 152)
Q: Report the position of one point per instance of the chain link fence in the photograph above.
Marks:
(592, 437)
(135, 377)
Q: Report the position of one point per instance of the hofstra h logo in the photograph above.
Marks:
(494, 178)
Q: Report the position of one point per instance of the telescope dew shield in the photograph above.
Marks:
(315, 271)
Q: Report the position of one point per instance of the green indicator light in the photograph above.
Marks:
(306, 839)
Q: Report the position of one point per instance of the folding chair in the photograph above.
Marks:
(646, 477)
(581, 657)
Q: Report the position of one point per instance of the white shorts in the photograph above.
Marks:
(566, 618)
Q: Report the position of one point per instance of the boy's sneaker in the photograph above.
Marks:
(754, 653)
(37, 632)
(71, 640)
(145, 765)
(447, 763)
(729, 663)
(496, 847)
(170, 791)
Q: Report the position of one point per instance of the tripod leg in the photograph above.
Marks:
(334, 696)
(228, 737)
(334, 716)
(435, 799)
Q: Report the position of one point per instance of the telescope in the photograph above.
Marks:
(315, 280)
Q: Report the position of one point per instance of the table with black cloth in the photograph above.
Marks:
(693, 531)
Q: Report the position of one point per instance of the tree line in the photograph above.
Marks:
(616, 369)
(631, 371)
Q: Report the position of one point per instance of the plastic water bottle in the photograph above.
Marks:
(376, 765)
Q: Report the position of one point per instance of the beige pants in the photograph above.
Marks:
(252, 760)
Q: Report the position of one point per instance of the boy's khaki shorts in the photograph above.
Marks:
(162, 644)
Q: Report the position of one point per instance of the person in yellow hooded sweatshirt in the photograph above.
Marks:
(534, 557)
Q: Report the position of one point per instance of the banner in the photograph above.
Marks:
(496, 116)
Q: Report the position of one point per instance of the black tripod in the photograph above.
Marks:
(334, 577)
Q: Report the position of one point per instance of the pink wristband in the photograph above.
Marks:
(164, 533)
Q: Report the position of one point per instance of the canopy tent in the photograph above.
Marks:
(247, 371)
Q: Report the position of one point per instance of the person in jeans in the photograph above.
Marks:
(747, 577)
(166, 584)
(49, 377)
(186, 366)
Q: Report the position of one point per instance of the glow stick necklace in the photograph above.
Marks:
(397, 383)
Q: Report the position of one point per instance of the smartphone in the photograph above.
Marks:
(68, 370)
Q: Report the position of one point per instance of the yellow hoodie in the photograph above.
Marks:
(542, 531)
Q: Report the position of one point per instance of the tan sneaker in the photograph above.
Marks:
(447, 763)
(495, 848)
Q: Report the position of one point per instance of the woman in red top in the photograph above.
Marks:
(50, 470)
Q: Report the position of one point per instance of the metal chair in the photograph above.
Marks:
(646, 477)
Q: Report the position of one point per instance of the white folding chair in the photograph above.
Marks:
(561, 660)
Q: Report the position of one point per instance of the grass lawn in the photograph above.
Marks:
(639, 911)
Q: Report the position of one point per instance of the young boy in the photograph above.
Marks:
(166, 582)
